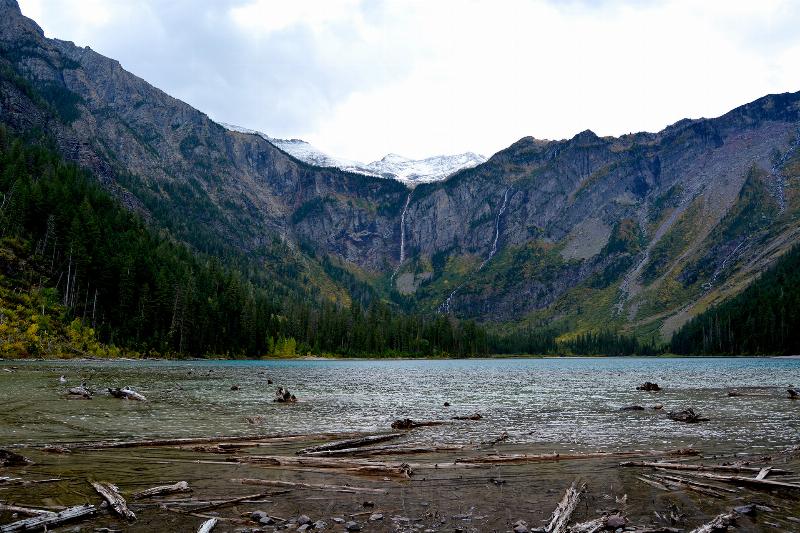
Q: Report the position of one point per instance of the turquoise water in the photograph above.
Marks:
(558, 404)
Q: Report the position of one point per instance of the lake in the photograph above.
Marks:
(552, 404)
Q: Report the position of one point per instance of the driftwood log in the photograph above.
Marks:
(81, 391)
(208, 525)
(9, 458)
(710, 468)
(127, 393)
(345, 489)
(390, 449)
(720, 523)
(350, 443)
(355, 466)
(50, 520)
(764, 484)
(27, 511)
(591, 526)
(564, 509)
(534, 458)
(111, 494)
(180, 486)
(407, 423)
(474, 416)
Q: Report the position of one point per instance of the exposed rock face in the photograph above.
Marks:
(587, 231)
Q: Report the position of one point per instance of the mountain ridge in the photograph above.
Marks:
(636, 233)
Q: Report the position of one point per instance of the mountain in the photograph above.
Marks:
(634, 234)
(392, 166)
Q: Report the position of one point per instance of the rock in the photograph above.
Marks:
(649, 386)
(368, 504)
(520, 526)
(403, 423)
(658, 406)
(447, 404)
(267, 521)
(81, 391)
(303, 519)
(375, 517)
(305, 527)
(793, 394)
(632, 408)
(320, 524)
(258, 515)
(234, 387)
(352, 526)
(749, 509)
(338, 520)
(616, 521)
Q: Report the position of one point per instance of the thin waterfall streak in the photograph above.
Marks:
(493, 251)
(403, 234)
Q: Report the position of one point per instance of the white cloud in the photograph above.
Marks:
(415, 77)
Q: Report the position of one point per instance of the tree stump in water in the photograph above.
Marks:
(649, 386)
(687, 415)
(284, 396)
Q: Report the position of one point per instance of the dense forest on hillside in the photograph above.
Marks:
(81, 275)
(763, 319)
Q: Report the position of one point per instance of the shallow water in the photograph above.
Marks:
(558, 404)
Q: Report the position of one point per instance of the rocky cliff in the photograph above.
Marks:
(639, 231)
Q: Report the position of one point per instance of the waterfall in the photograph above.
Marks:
(497, 229)
(403, 234)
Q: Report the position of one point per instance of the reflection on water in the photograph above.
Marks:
(556, 403)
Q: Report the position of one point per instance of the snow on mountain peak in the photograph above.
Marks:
(392, 166)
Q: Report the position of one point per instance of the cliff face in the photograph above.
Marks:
(638, 231)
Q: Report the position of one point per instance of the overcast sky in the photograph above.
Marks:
(363, 78)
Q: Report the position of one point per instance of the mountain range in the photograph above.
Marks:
(637, 233)
(391, 166)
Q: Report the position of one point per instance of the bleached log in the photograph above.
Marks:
(355, 466)
(346, 489)
(766, 484)
(208, 525)
(534, 458)
(180, 486)
(232, 501)
(720, 523)
(712, 468)
(592, 526)
(563, 512)
(127, 393)
(391, 449)
(111, 494)
(50, 520)
(27, 511)
(350, 443)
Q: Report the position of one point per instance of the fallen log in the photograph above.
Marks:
(27, 511)
(239, 499)
(345, 489)
(764, 472)
(765, 484)
(713, 468)
(591, 526)
(391, 449)
(407, 423)
(350, 443)
(474, 416)
(50, 520)
(180, 486)
(81, 391)
(696, 483)
(564, 509)
(679, 484)
(349, 465)
(111, 494)
(720, 523)
(533, 458)
(9, 458)
(127, 393)
(208, 525)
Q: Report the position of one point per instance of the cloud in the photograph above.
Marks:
(362, 78)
